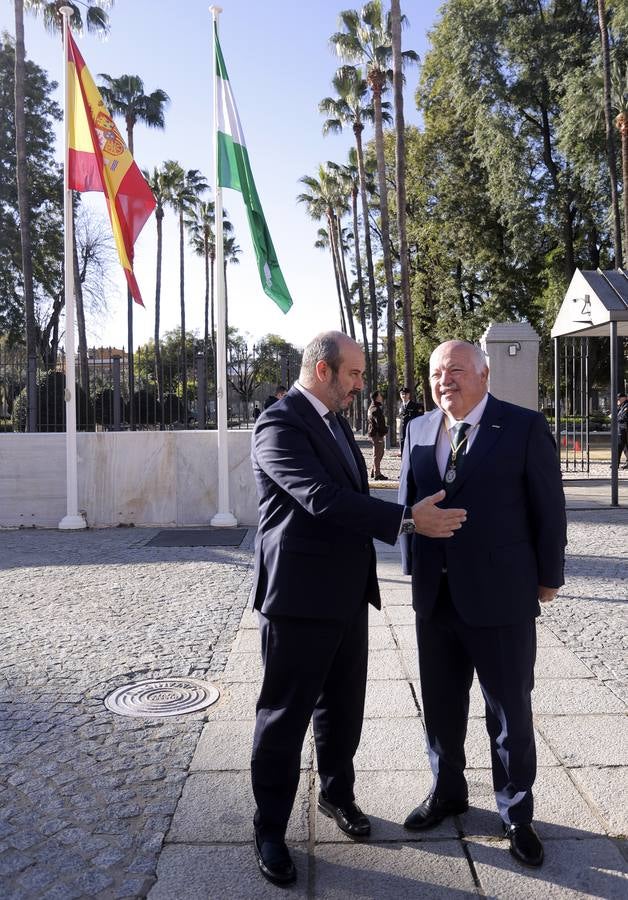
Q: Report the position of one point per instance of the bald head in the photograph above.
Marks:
(332, 369)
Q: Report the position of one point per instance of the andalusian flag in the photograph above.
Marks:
(234, 171)
(98, 160)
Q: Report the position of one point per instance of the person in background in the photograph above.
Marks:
(278, 395)
(376, 431)
(408, 409)
(256, 412)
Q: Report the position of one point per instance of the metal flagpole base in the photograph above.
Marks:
(224, 520)
(72, 523)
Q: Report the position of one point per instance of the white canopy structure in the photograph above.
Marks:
(595, 305)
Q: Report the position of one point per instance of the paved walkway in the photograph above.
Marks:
(97, 805)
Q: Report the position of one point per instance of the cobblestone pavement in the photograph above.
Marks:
(87, 797)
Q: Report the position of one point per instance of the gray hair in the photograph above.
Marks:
(326, 347)
(479, 357)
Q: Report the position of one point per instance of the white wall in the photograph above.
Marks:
(141, 478)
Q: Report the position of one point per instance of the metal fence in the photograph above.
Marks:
(171, 392)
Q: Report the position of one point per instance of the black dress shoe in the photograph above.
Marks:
(525, 844)
(349, 818)
(432, 812)
(274, 861)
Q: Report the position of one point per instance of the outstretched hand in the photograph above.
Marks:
(434, 522)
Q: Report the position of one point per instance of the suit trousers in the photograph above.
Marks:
(503, 657)
(312, 669)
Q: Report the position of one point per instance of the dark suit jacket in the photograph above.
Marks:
(515, 533)
(314, 554)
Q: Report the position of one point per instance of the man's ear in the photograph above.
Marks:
(321, 370)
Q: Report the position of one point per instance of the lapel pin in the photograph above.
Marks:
(496, 426)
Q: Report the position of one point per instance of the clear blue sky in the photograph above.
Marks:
(280, 65)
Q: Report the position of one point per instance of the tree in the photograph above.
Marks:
(326, 200)
(96, 20)
(45, 190)
(349, 173)
(610, 140)
(184, 192)
(400, 172)
(367, 38)
(160, 184)
(125, 97)
(200, 223)
(350, 107)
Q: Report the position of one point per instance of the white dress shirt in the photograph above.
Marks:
(445, 437)
(318, 405)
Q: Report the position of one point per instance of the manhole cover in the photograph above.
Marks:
(170, 697)
(198, 537)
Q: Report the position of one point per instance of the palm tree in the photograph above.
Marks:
(322, 242)
(96, 20)
(326, 200)
(231, 251)
(160, 184)
(125, 97)
(349, 173)
(185, 190)
(400, 178)
(350, 108)
(367, 38)
(200, 223)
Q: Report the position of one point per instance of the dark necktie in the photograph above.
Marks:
(458, 451)
(343, 443)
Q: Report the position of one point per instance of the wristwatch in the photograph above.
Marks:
(407, 523)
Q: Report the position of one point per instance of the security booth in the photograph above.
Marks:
(595, 306)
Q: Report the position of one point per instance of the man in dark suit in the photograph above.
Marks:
(477, 596)
(314, 578)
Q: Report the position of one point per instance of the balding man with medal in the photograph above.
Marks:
(476, 596)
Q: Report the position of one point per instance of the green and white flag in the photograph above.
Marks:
(234, 171)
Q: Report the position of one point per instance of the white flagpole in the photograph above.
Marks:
(72, 520)
(224, 517)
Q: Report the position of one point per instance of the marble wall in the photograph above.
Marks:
(141, 478)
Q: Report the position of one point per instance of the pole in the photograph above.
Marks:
(614, 426)
(72, 519)
(224, 517)
(557, 395)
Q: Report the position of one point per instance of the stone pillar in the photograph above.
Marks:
(512, 349)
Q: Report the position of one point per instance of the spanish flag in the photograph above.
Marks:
(98, 160)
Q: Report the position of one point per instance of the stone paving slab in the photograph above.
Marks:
(386, 664)
(559, 662)
(574, 696)
(399, 614)
(606, 789)
(217, 807)
(560, 810)
(244, 667)
(382, 702)
(189, 872)
(237, 701)
(573, 870)
(371, 871)
(587, 740)
(225, 746)
(391, 745)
